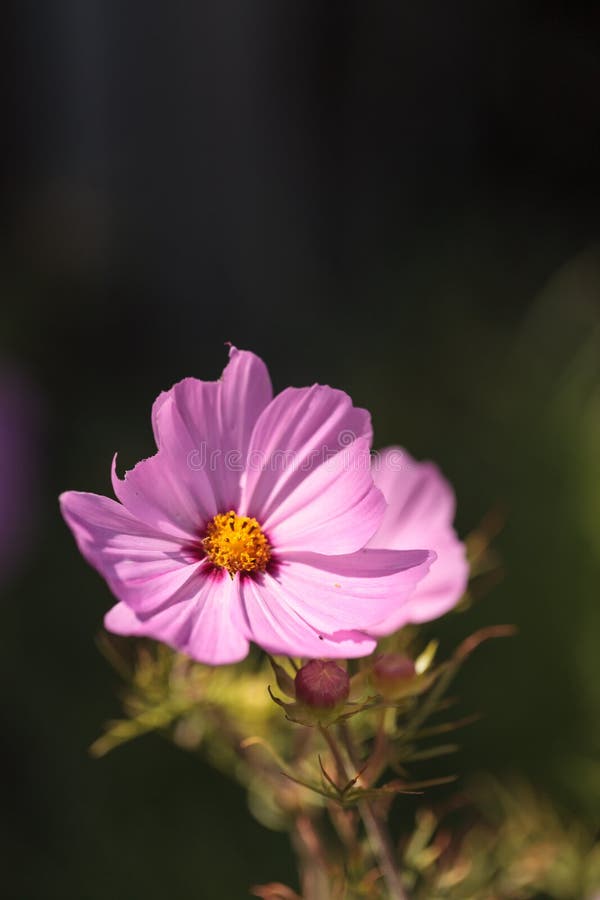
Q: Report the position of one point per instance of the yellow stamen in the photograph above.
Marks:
(236, 543)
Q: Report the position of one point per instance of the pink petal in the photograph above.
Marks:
(275, 625)
(439, 592)
(142, 567)
(218, 635)
(209, 628)
(356, 591)
(298, 431)
(121, 619)
(157, 492)
(171, 625)
(420, 513)
(204, 427)
(334, 510)
(420, 500)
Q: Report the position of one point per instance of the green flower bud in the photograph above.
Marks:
(391, 674)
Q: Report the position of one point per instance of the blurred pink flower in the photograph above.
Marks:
(248, 524)
(19, 449)
(420, 513)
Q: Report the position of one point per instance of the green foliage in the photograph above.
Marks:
(318, 777)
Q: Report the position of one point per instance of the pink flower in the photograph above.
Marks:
(248, 524)
(420, 513)
(20, 438)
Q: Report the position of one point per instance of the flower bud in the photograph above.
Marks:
(322, 685)
(392, 672)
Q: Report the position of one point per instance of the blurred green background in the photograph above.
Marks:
(400, 200)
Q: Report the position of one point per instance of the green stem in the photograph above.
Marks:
(375, 828)
(313, 866)
(336, 753)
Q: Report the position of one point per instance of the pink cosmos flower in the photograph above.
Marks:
(20, 416)
(420, 512)
(249, 524)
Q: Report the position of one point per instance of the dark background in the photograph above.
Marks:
(398, 199)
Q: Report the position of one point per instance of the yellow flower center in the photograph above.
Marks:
(236, 543)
